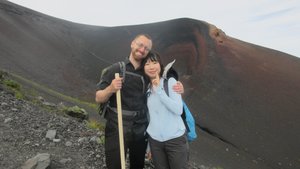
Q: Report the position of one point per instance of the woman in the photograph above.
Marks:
(166, 130)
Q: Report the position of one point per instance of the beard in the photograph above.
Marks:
(138, 55)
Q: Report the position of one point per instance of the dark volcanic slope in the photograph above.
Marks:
(260, 93)
(245, 98)
(44, 49)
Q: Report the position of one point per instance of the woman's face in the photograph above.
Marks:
(152, 69)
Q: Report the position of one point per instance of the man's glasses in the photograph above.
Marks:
(141, 45)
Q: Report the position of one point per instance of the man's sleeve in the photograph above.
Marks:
(106, 78)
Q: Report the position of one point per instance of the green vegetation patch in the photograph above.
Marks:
(14, 87)
(77, 112)
(12, 84)
(93, 124)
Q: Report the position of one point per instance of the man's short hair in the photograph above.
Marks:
(145, 35)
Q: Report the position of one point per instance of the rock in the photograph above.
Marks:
(68, 143)
(56, 140)
(2, 115)
(95, 139)
(51, 134)
(7, 120)
(14, 109)
(40, 161)
(83, 140)
(65, 160)
(49, 104)
(4, 104)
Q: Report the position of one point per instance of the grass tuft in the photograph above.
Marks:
(14, 87)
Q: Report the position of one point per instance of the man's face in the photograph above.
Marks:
(140, 47)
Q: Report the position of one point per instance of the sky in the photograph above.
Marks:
(270, 23)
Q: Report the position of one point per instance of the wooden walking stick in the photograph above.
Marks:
(120, 126)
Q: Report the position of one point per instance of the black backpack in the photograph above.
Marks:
(103, 106)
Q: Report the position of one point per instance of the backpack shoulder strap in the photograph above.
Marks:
(166, 88)
(183, 116)
(122, 70)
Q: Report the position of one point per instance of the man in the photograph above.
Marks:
(134, 108)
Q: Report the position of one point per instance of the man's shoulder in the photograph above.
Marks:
(117, 67)
(109, 70)
(118, 64)
(112, 67)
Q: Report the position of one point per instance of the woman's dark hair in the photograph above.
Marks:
(153, 56)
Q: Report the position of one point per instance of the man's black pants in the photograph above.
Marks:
(137, 148)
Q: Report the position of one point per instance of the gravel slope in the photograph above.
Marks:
(23, 130)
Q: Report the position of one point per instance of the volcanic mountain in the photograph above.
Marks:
(244, 97)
